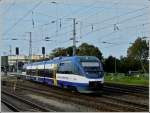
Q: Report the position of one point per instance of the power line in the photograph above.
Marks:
(111, 18)
(111, 33)
(66, 15)
(98, 12)
(77, 11)
(102, 28)
(128, 27)
(119, 43)
(118, 22)
(9, 7)
(26, 14)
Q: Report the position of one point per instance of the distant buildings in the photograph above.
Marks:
(9, 63)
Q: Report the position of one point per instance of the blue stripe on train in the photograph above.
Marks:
(66, 83)
(49, 81)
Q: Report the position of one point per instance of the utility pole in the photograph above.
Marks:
(10, 50)
(74, 36)
(116, 28)
(30, 47)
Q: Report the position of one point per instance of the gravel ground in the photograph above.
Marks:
(50, 102)
(62, 105)
(4, 108)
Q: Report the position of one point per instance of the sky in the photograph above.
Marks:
(117, 22)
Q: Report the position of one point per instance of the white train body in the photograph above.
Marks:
(83, 73)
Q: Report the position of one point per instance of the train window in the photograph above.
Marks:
(68, 68)
(48, 73)
(41, 72)
(44, 72)
(33, 72)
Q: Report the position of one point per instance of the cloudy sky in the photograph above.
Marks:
(117, 22)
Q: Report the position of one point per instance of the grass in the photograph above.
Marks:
(130, 80)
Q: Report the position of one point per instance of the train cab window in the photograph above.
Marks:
(67, 68)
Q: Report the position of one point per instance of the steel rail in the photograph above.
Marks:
(27, 102)
(130, 108)
(10, 106)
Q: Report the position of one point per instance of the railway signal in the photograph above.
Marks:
(17, 53)
(43, 52)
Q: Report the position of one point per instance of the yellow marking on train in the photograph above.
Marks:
(55, 82)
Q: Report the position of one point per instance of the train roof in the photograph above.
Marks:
(63, 58)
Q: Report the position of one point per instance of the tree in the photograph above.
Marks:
(130, 64)
(138, 50)
(83, 49)
(59, 52)
(109, 64)
(90, 50)
(69, 51)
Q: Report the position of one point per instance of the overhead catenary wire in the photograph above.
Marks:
(119, 22)
(114, 17)
(110, 34)
(77, 11)
(20, 19)
(93, 27)
(102, 28)
(9, 7)
(106, 26)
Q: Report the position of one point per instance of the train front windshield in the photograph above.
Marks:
(92, 68)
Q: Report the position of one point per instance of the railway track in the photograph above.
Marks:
(109, 89)
(10, 106)
(72, 98)
(13, 102)
(101, 103)
(129, 88)
(115, 103)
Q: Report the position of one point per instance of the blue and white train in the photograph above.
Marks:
(81, 73)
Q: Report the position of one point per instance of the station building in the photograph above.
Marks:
(9, 63)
